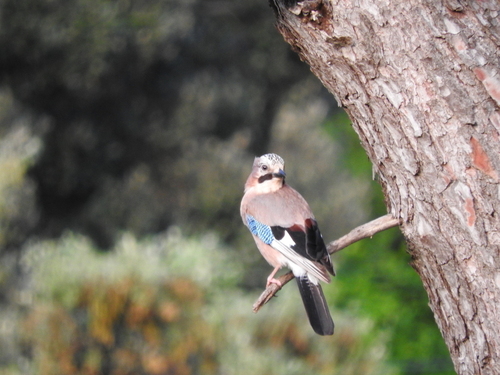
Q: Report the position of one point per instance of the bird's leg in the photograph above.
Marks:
(271, 279)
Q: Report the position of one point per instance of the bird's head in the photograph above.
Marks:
(268, 173)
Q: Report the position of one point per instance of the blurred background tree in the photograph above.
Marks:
(127, 129)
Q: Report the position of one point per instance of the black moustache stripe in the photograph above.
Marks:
(266, 177)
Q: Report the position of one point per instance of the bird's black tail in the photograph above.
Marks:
(316, 307)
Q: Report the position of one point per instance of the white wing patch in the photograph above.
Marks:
(297, 263)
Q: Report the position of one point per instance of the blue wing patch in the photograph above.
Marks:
(260, 230)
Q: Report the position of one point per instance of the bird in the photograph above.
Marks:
(287, 235)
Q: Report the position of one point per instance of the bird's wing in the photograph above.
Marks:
(295, 245)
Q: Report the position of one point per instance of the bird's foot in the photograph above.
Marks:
(272, 280)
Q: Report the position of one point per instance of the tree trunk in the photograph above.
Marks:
(420, 80)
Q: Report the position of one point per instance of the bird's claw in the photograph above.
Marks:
(273, 281)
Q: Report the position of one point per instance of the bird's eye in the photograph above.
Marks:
(264, 167)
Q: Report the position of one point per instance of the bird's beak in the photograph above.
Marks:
(280, 174)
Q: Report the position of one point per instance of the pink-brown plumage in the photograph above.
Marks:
(286, 233)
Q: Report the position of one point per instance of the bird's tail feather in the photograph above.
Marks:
(316, 307)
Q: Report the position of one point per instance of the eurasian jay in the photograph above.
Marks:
(287, 234)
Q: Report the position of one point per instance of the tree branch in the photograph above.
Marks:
(355, 235)
(363, 231)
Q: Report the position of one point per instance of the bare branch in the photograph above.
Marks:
(363, 231)
(357, 234)
(271, 290)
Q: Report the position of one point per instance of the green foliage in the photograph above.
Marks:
(352, 157)
(376, 280)
(134, 93)
(18, 148)
(170, 304)
(127, 312)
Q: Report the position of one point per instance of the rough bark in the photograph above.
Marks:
(420, 80)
